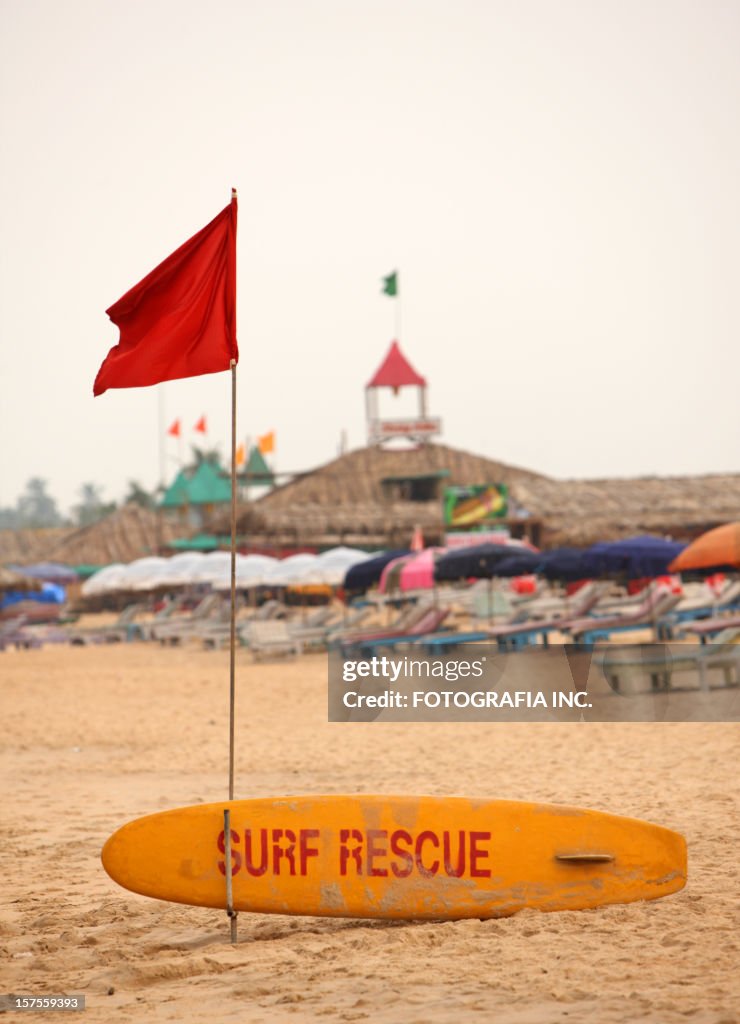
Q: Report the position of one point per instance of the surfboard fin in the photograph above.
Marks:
(584, 858)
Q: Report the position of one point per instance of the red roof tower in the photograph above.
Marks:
(396, 372)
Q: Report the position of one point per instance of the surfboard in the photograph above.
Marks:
(395, 857)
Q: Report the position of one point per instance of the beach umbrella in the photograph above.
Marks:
(48, 593)
(477, 562)
(367, 573)
(178, 571)
(329, 568)
(10, 580)
(251, 571)
(286, 570)
(633, 558)
(49, 572)
(523, 563)
(567, 565)
(105, 581)
(717, 549)
(418, 572)
(142, 574)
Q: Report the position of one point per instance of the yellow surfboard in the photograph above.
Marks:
(396, 857)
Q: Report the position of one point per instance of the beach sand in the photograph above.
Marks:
(96, 736)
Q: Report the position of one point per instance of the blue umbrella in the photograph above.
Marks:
(477, 562)
(634, 557)
(50, 593)
(567, 565)
(364, 575)
(53, 572)
(520, 564)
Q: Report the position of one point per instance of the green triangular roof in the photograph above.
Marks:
(207, 485)
(177, 493)
(257, 470)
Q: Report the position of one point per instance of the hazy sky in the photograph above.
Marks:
(557, 182)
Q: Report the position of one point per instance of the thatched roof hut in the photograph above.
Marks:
(354, 500)
(372, 497)
(24, 547)
(582, 512)
(128, 533)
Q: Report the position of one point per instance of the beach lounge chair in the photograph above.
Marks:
(513, 635)
(428, 623)
(691, 609)
(708, 630)
(649, 614)
(14, 634)
(212, 608)
(122, 630)
(407, 618)
(659, 663)
(270, 638)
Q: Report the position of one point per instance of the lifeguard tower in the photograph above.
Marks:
(396, 372)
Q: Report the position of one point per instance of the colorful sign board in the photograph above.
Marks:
(474, 506)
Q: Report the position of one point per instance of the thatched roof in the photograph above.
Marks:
(128, 533)
(24, 547)
(581, 512)
(344, 501)
(355, 478)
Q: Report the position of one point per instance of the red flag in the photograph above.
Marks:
(201, 425)
(174, 430)
(180, 320)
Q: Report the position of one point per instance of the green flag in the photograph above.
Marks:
(390, 284)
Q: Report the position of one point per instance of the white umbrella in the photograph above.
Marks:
(250, 572)
(104, 580)
(142, 574)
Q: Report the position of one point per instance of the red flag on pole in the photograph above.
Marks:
(174, 430)
(180, 320)
(201, 425)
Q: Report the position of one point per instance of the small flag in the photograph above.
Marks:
(200, 426)
(174, 430)
(266, 443)
(180, 320)
(241, 455)
(390, 284)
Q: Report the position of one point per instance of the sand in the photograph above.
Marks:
(96, 736)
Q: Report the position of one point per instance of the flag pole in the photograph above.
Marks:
(232, 636)
(232, 643)
(232, 631)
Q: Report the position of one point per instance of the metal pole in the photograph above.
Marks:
(230, 912)
(232, 644)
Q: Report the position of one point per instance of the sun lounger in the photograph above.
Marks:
(658, 663)
(271, 638)
(649, 614)
(122, 630)
(213, 608)
(429, 622)
(408, 618)
(708, 629)
(691, 609)
(14, 634)
(551, 607)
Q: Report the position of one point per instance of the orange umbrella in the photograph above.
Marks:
(716, 548)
